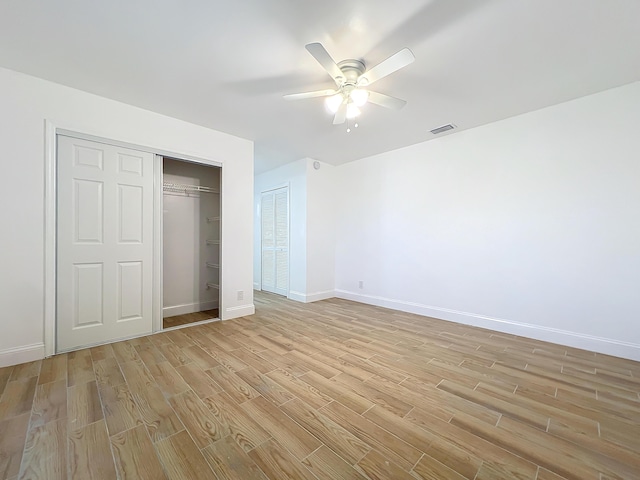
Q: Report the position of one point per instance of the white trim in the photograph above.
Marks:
(297, 296)
(270, 189)
(221, 256)
(317, 296)
(256, 286)
(50, 219)
(592, 343)
(26, 353)
(310, 297)
(158, 238)
(239, 311)
(188, 308)
(136, 146)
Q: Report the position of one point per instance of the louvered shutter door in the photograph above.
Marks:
(268, 242)
(282, 241)
(275, 241)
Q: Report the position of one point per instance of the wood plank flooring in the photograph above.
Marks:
(178, 320)
(325, 391)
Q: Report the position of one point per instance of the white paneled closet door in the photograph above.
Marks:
(275, 241)
(104, 241)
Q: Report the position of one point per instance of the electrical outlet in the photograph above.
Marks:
(240, 294)
(360, 284)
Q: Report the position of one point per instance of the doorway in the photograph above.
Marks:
(274, 209)
(190, 242)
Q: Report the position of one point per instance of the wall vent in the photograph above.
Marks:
(443, 128)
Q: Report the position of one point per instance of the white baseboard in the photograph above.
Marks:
(316, 296)
(310, 297)
(239, 311)
(297, 296)
(188, 308)
(592, 343)
(26, 353)
(256, 286)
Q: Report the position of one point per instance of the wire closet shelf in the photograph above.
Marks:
(184, 188)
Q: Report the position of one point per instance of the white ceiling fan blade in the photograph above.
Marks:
(341, 115)
(324, 59)
(386, 101)
(317, 93)
(395, 62)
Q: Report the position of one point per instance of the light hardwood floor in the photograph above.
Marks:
(179, 320)
(329, 390)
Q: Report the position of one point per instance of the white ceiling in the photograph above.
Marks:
(226, 64)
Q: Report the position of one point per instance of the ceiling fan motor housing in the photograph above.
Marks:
(351, 69)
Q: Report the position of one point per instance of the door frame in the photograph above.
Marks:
(262, 192)
(52, 130)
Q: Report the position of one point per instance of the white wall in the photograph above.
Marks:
(321, 239)
(312, 224)
(187, 225)
(530, 225)
(25, 103)
(292, 175)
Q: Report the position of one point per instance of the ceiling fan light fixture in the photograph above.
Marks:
(352, 79)
(359, 96)
(333, 102)
(352, 110)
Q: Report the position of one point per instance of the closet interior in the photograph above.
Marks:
(191, 242)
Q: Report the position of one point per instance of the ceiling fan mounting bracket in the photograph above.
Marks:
(351, 69)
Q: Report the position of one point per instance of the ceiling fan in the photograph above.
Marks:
(352, 81)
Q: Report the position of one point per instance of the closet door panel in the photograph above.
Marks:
(282, 272)
(104, 240)
(268, 241)
(87, 204)
(275, 241)
(87, 294)
(268, 270)
(130, 213)
(130, 291)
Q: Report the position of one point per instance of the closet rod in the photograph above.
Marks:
(184, 188)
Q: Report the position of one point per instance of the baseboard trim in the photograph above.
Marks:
(239, 311)
(311, 297)
(317, 296)
(188, 308)
(256, 286)
(592, 343)
(26, 353)
(297, 296)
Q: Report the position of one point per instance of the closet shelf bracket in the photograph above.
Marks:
(213, 219)
(213, 285)
(213, 242)
(212, 265)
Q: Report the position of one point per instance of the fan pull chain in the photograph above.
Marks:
(355, 125)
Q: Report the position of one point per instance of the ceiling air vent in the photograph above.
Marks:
(443, 128)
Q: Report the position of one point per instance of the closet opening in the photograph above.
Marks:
(190, 242)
